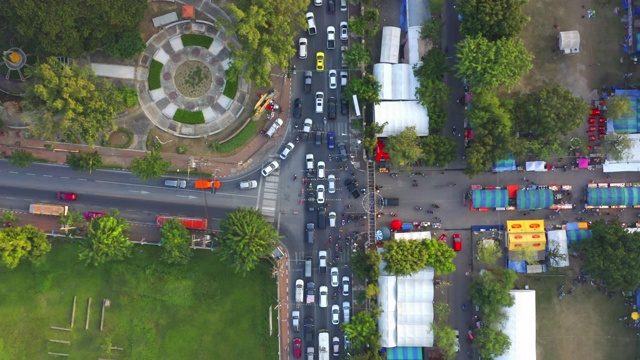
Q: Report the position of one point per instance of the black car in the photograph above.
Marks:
(342, 149)
(331, 6)
(333, 104)
(318, 137)
(311, 201)
(297, 108)
(344, 107)
(351, 186)
(308, 328)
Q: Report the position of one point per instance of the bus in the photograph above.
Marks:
(323, 345)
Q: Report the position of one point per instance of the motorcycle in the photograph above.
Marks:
(343, 222)
(335, 295)
(418, 208)
(436, 206)
(297, 139)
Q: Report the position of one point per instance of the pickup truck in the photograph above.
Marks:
(311, 293)
(308, 76)
(276, 125)
(299, 290)
(295, 319)
(351, 186)
(390, 202)
(331, 37)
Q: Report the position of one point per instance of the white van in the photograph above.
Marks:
(302, 43)
(175, 183)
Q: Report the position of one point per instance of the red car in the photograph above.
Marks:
(92, 214)
(443, 238)
(457, 243)
(297, 348)
(67, 196)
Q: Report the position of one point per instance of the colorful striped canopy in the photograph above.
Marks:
(613, 196)
(574, 236)
(405, 353)
(534, 199)
(490, 198)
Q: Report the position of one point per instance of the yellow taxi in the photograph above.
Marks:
(320, 61)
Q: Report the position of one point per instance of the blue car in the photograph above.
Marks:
(331, 140)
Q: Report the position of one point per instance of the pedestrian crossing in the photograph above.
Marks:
(270, 196)
(340, 129)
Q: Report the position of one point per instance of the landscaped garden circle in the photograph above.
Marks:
(192, 79)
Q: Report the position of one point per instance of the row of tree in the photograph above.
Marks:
(404, 258)
(407, 148)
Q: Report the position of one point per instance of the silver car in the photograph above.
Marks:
(335, 314)
(286, 151)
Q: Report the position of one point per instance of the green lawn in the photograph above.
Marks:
(230, 86)
(240, 139)
(199, 311)
(196, 40)
(189, 117)
(154, 75)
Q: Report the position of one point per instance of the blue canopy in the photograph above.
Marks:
(490, 198)
(504, 165)
(534, 199)
(613, 196)
(574, 236)
(404, 353)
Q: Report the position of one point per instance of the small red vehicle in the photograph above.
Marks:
(89, 215)
(457, 242)
(443, 238)
(297, 348)
(67, 196)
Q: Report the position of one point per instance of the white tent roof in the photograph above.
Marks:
(390, 47)
(417, 12)
(536, 166)
(520, 326)
(400, 115)
(417, 235)
(398, 82)
(569, 40)
(632, 163)
(387, 324)
(558, 240)
(412, 50)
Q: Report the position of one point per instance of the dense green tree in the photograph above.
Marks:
(612, 254)
(490, 64)
(490, 291)
(432, 92)
(431, 29)
(491, 342)
(72, 222)
(367, 89)
(619, 106)
(70, 102)
(366, 265)
(372, 290)
(22, 243)
(21, 158)
(84, 161)
(438, 150)
(439, 256)
(404, 257)
(151, 166)
(357, 55)
(404, 148)
(372, 17)
(363, 329)
(266, 30)
(128, 96)
(492, 19)
(617, 146)
(8, 216)
(246, 238)
(446, 340)
(176, 244)
(124, 45)
(493, 133)
(371, 132)
(106, 240)
(489, 253)
(542, 117)
(71, 27)
(433, 67)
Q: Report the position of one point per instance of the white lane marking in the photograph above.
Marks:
(186, 196)
(65, 177)
(30, 174)
(82, 179)
(13, 172)
(139, 191)
(48, 176)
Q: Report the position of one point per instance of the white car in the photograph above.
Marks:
(248, 184)
(306, 128)
(343, 79)
(345, 285)
(324, 291)
(320, 195)
(286, 151)
(333, 79)
(309, 160)
(311, 23)
(457, 332)
(317, 2)
(346, 311)
(332, 183)
(332, 219)
(270, 168)
(335, 314)
(336, 346)
(319, 102)
(302, 44)
(322, 260)
(334, 277)
(343, 31)
(321, 167)
(331, 37)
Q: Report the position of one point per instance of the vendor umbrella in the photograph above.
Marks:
(635, 315)
(396, 225)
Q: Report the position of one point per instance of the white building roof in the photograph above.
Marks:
(632, 163)
(569, 40)
(414, 49)
(520, 326)
(401, 114)
(398, 82)
(390, 46)
(414, 235)
(558, 241)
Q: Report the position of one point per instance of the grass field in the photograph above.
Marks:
(154, 75)
(583, 325)
(199, 311)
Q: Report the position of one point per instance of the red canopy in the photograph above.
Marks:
(187, 12)
(396, 225)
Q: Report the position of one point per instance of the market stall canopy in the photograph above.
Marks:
(492, 199)
(536, 166)
(396, 225)
(188, 12)
(613, 196)
(569, 42)
(534, 199)
(583, 163)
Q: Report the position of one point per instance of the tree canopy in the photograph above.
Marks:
(72, 27)
(84, 161)
(363, 329)
(489, 253)
(22, 243)
(408, 257)
(493, 133)
(438, 150)
(124, 45)
(490, 291)
(542, 117)
(106, 240)
(71, 102)
(619, 106)
(246, 238)
(492, 19)
(491, 342)
(404, 148)
(612, 255)
(617, 146)
(176, 244)
(151, 166)
(366, 264)
(367, 89)
(491, 64)
(21, 158)
(266, 30)
(357, 55)
(432, 92)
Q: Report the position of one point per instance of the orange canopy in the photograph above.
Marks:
(188, 12)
